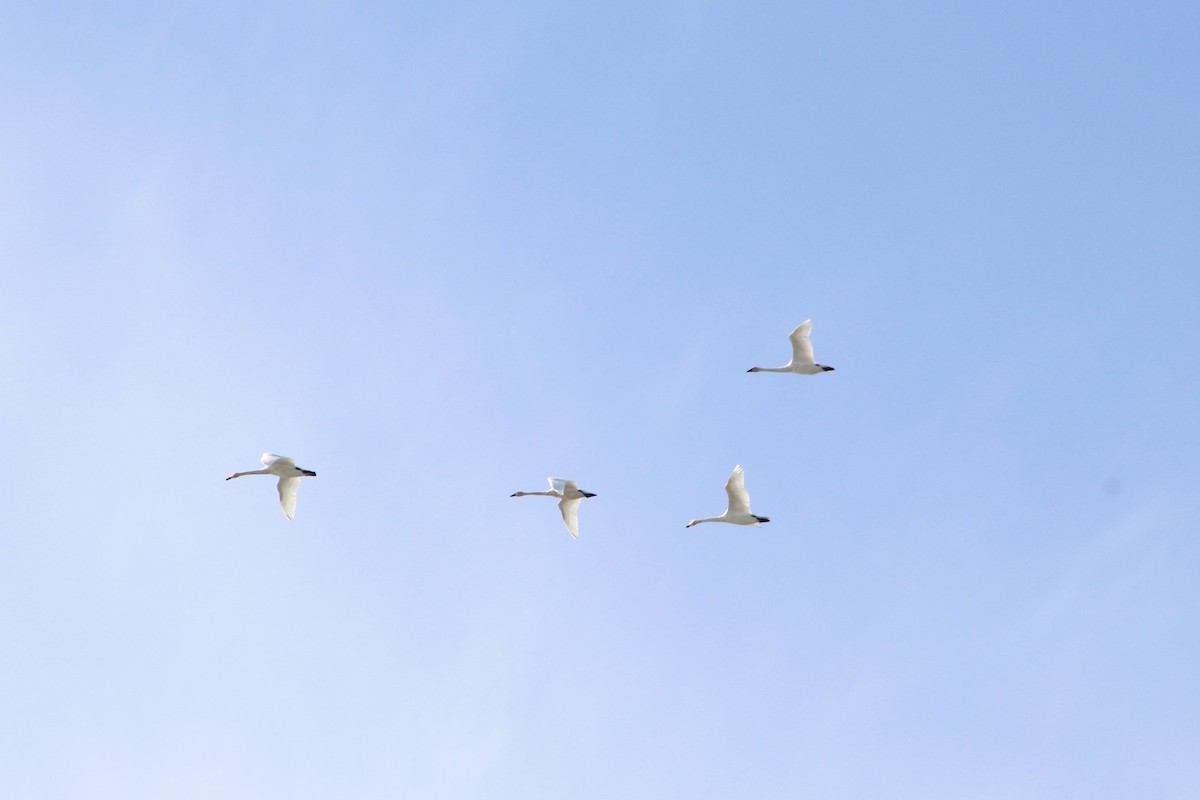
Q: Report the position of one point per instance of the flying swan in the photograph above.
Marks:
(738, 511)
(289, 479)
(802, 355)
(570, 496)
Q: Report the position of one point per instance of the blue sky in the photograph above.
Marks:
(439, 252)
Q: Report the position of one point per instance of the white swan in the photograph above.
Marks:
(289, 479)
(738, 511)
(802, 355)
(570, 496)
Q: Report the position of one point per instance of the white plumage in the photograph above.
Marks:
(802, 354)
(738, 509)
(570, 496)
(289, 479)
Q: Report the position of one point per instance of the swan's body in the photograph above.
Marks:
(569, 497)
(289, 479)
(802, 354)
(738, 511)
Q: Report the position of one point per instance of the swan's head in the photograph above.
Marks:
(517, 494)
(754, 369)
(690, 524)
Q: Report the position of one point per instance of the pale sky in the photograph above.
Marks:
(439, 252)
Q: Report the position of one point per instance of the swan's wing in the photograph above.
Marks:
(570, 512)
(270, 459)
(287, 495)
(559, 485)
(735, 487)
(802, 348)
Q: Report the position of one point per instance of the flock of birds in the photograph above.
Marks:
(569, 495)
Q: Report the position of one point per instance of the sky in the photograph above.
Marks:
(438, 252)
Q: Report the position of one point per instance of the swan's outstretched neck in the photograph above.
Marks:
(768, 369)
(527, 494)
(706, 519)
(254, 472)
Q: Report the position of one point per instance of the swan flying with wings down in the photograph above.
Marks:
(570, 496)
(289, 479)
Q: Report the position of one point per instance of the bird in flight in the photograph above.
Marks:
(570, 496)
(802, 355)
(289, 479)
(738, 511)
